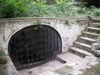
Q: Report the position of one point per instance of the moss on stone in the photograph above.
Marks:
(94, 70)
(2, 69)
(3, 60)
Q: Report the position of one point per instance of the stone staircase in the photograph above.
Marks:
(82, 46)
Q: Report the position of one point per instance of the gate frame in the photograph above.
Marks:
(31, 26)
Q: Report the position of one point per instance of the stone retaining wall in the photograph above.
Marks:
(68, 33)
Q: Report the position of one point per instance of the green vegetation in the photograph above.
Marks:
(39, 24)
(44, 8)
(3, 59)
(67, 22)
(95, 70)
(13, 8)
(3, 62)
(98, 48)
(1, 53)
(2, 69)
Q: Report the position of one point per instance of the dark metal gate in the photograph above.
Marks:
(34, 45)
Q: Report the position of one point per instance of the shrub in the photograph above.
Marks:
(13, 8)
(81, 9)
(42, 8)
(96, 12)
(37, 8)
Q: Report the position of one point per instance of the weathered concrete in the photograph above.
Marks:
(75, 66)
(68, 33)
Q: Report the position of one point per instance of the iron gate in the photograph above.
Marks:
(34, 45)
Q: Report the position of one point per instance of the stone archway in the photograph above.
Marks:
(34, 45)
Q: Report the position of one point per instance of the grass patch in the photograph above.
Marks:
(94, 70)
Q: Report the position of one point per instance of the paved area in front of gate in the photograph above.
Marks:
(74, 65)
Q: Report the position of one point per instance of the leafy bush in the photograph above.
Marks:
(58, 10)
(43, 8)
(37, 8)
(96, 12)
(13, 8)
(81, 10)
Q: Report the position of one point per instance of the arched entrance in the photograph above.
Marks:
(34, 45)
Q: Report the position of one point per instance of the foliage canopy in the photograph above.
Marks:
(43, 8)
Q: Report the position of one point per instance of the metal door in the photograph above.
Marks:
(34, 45)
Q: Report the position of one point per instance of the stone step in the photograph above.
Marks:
(93, 28)
(95, 24)
(82, 44)
(96, 19)
(80, 52)
(87, 39)
(90, 33)
(69, 57)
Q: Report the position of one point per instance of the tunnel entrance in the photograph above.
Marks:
(34, 45)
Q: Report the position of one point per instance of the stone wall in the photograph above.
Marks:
(67, 32)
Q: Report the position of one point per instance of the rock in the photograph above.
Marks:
(95, 46)
(3, 60)
(98, 39)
